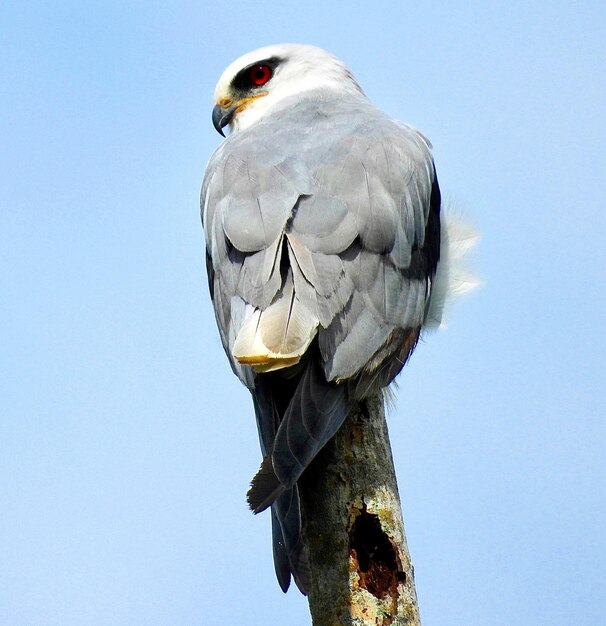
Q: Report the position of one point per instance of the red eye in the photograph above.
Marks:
(259, 74)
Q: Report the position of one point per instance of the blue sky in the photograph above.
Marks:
(126, 445)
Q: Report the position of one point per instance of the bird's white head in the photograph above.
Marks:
(256, 81)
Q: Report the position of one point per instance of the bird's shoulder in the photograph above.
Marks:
(318, 129)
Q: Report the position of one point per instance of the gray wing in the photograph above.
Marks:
(248, 196)
(322, 236)
(347, 212)
(366, 271)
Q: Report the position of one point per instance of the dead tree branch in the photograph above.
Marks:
(353, 528)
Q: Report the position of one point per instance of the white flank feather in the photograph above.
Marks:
(453, 278)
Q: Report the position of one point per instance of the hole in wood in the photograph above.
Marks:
(376, 558)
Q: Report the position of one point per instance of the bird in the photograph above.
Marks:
(327, 256)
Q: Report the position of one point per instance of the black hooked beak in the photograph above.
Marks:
(222, 116)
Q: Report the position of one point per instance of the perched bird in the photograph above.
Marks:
(326, 258)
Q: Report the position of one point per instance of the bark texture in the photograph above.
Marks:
(352, 523)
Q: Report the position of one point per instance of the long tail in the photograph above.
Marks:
(315, 412)
(296, 416)
(290, 556)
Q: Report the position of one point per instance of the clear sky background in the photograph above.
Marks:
(126, 444)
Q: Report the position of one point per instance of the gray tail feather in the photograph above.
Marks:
(296, 417)
(290, 556)
(315, 412)
(264, 487)
(281, 562)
